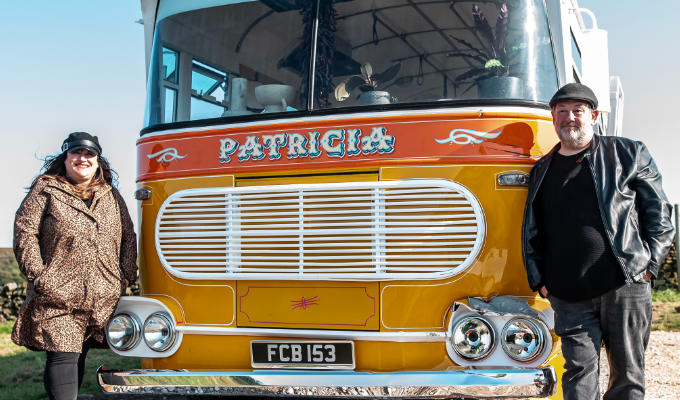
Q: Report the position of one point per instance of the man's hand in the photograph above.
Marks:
(544, 291)
(648, 276)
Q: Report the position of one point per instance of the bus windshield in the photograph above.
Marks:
(275, 56)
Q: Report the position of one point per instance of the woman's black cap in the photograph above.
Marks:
(81, 140)
(575, 91)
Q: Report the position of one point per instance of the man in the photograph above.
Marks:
(597, 225)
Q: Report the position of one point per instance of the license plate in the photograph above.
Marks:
(302, 354)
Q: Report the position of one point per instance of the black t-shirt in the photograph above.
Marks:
(578, 262)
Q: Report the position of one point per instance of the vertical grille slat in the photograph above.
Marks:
(410, 229)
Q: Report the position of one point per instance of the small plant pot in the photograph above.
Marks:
(500, 87)
(374, 97)
(275, 98)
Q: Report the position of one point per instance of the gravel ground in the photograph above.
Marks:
(662, 367)
(662, 372)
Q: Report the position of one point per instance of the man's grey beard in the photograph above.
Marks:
(576, 139)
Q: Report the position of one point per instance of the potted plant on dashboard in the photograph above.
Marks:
(492, 74)
(368, 83)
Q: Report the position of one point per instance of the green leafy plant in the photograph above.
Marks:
(492, 57)
(367, 81)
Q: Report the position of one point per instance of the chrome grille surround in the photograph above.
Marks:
(385, 230)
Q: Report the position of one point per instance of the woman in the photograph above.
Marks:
(74, 241)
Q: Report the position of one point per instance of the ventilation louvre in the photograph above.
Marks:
(409, 229)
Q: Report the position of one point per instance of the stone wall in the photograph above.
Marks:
(668, 273)
(11, 297)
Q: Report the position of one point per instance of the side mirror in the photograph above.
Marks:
(595, 65)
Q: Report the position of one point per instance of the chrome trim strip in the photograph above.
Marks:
(369, 114)
(320, 334)
(480, 383)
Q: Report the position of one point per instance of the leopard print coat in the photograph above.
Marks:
(77, 261)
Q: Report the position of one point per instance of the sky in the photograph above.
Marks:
(67, 65)
(78, 65)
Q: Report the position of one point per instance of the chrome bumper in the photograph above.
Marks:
(478, 383)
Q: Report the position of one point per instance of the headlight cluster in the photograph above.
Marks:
(473, 338)
(159, 333)
(522, 339)
(123, 332)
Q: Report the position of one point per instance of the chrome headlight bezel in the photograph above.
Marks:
(130, 321)
(461, 335)
(533, 336)
(167, 339)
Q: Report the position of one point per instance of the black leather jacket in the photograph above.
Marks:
(634, 209)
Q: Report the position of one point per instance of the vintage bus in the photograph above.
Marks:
(331, 195)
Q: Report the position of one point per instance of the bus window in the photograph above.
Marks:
(253, 57)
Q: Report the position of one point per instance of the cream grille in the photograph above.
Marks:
(410, 229)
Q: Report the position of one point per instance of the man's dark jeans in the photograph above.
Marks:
(621, 319)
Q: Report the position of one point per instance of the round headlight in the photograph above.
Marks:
(522, 339)
(159, 332)
(473, 338)
(122, 332)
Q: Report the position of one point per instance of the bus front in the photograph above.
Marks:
(331, 197)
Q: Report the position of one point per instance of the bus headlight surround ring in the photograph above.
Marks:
(473, 338)
(123, 331)
(159, 332)
(522, 339)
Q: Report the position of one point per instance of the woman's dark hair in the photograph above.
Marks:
(55, 167)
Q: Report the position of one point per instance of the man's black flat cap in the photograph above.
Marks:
(575, 91)
(81, 140)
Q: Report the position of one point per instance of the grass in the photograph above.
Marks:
(666, 306)
(666, 295)
(666, 316)
(21, 370)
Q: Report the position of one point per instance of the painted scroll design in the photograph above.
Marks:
(364, 290)
(466, 136)
(304, 302)
(166, 155)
